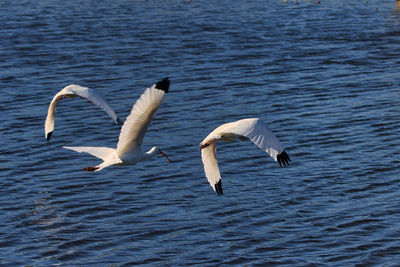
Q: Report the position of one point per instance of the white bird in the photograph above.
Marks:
(253, 129)
(128, 151)
(72, 91)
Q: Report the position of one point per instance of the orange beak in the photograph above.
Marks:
(165, 155)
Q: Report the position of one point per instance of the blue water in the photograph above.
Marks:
(324, 77)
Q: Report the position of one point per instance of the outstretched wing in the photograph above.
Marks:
(258, 132)
(73, 91)
(94, 97)
(210, 163)
(136, 124)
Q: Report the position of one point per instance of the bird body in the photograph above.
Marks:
(253, 129)
(73, 91)
(128, 150)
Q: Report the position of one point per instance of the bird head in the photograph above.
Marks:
(154, 150)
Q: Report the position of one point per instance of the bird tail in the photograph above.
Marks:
(99, 152)
(104, 153)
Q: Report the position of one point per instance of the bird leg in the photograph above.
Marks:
(91, 169)
(165, 155)
(243, 138)
(91, 103)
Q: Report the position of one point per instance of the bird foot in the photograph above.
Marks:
(91, 169)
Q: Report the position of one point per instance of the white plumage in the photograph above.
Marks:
(253, 129)
(128, 150)
(72, 91)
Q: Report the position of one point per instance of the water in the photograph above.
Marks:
(325, 77)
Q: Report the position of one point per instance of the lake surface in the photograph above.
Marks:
(324, 77)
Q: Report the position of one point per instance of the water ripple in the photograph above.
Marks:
(323, 77)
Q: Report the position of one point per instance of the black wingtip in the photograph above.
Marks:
(218, 188)
(163, 85)
(118, 122)
(49, 136)
(283, 158)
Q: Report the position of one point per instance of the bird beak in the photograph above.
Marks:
(165, 155)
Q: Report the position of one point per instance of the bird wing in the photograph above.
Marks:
(94, 97)
(49, 123)
(258, 132)
(71, 91)
(136, 124)
(210, 163)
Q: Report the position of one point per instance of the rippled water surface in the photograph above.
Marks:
(324, 77)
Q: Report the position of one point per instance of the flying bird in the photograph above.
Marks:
(253, 129)
(129, 147)
(72, 91)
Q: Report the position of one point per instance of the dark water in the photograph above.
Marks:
(325, 77)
